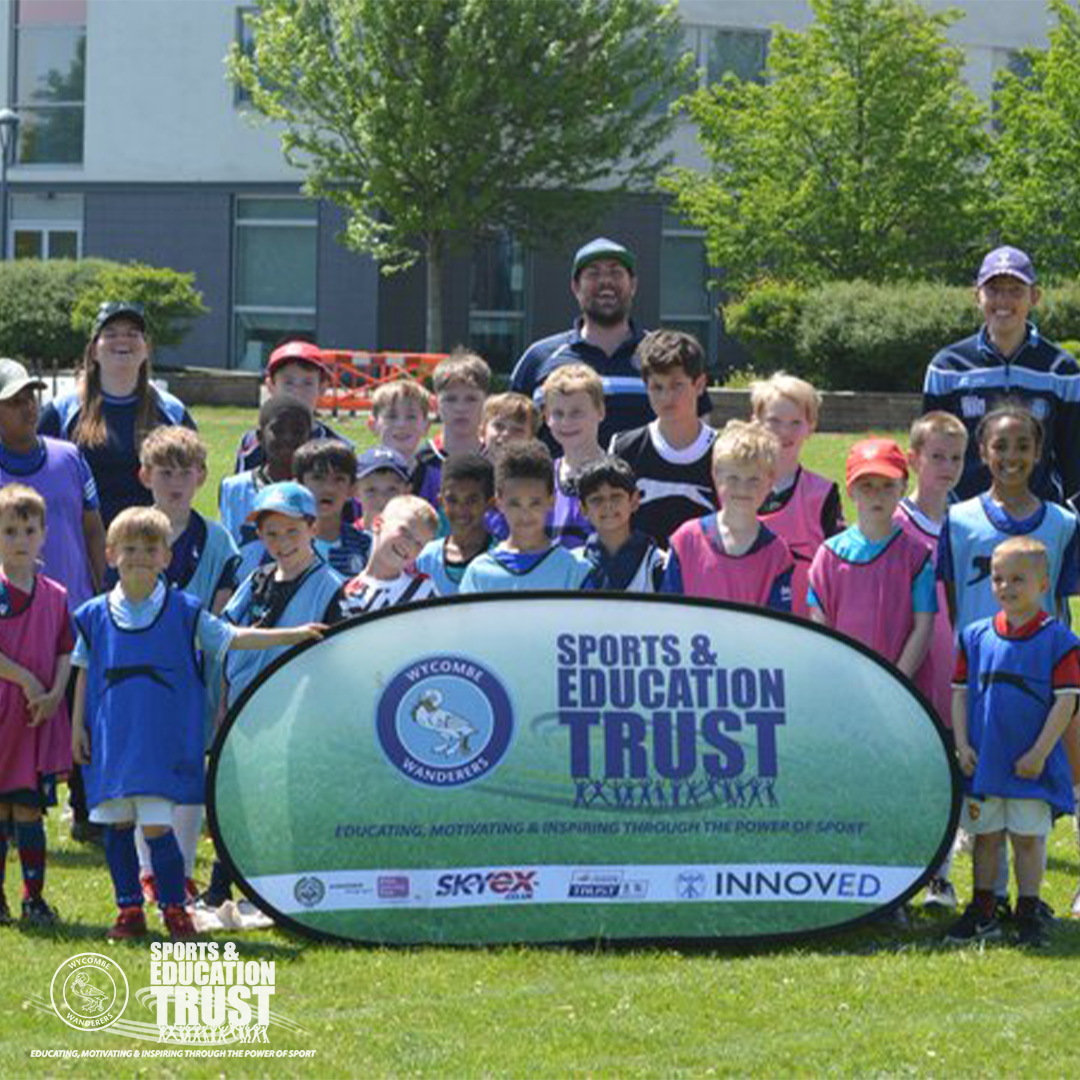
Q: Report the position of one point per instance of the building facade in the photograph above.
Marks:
(133, 145)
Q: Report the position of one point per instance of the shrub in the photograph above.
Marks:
(169, 296)
(766, 323)
(36, 301)
(1058, 312)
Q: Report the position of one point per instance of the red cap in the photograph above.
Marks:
(296, 352)
(876, 457)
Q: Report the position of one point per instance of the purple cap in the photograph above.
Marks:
(1006, 262)
(288, 498)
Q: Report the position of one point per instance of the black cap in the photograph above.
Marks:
(119, 309)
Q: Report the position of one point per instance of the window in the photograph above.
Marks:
(245, 40)
(685, 300)
(50, 80)
(274, 274)
(46, 226)
(741, 52)
(497, 300)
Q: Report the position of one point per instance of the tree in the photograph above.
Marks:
(433, 122)
(1035, 170)
(859, 156)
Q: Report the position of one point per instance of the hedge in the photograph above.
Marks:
(858, 336)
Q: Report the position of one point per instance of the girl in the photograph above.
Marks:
(114, 407)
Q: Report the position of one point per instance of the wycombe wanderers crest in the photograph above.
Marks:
(89, 991)
(444, 721)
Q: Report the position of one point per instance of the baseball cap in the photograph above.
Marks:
(15, 378)
(876, 457)
(119, 309)
(381, 457)
(602, 248)
(288, 498)
(1006, 262)
(292, 352)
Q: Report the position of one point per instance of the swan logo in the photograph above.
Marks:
(444, 721)
(89, 992)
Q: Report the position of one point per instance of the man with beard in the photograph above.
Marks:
(605, 338)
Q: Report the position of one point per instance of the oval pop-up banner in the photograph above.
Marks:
(546, 767)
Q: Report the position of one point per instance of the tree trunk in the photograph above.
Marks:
(433, 330)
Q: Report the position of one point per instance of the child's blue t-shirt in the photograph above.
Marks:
(971, 531)
(500, 570)
(447, 576)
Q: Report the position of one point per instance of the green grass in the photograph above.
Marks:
(863, 1003)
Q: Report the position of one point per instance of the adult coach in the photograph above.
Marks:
(1009, 358)
(604, 282)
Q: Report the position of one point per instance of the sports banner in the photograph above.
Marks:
(545, 767)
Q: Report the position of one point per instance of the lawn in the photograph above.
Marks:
(863, 1003)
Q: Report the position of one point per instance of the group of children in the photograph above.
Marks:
(960, 598)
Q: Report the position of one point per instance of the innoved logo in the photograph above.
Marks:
(444, 721)
(309, 891)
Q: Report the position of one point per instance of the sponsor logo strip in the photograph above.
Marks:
(489, 886)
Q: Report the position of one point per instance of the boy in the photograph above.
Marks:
(573, 411)
(1015, 690)
(284, 426)
(873, 582)
(400, 418)
(382, 474)
(936, 455)
(35, 661)
(730, 555)
(461, 383)
(399, 534)
(139, 706)
(526, 559)
(671, 456)
(619, 559)
(74, 551)
(508, 418)
(296, 368)
(466, 493)
(203, 562)
(327, 468)
(802, 507)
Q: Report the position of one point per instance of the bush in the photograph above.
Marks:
(1058, 312)
(766, 323)
(169, 296)
(36, 301)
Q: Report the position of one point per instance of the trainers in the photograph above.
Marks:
(972, 927)
(35, 912)
(5, 911)
(211, 899)
(1045, 914)
(178, 923)
(1031, 931)
(940, 894)
(149, 887)
(191, 892)
(130, 923)
(1003, 911)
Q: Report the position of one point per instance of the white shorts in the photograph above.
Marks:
(1025, 817)
(136, 809)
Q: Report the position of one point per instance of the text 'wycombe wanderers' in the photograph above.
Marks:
(632, 702)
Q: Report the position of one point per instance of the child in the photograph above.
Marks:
(461, 383)
(466, 492)
(400, 419)
(730, 555)
(671, 456)
(526, 559)
(873, 582)
(203, 562)
(936, 457)
(1010, 443)
(573, 411)
(619, 559)
(139, 706)
(382, 474)
(35, 661)
(1015, 690)
(284, 426)
(508, 418)
(295, 369)
(74, 551)
(327, 468)
(399, 535)
(802, 508)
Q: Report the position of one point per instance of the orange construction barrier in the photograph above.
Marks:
(356, 374)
